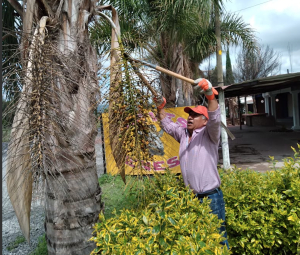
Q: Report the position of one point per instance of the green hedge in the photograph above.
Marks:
(173, 222)
(263, 209)
(262, 217)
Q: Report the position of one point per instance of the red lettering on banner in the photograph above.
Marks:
(172, 162)
(129, 161)
(157, 165)
(181, 122)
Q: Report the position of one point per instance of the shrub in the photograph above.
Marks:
(263, 209)
(172, 221)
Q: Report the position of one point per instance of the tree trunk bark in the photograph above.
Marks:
(73, 195)
(178, 63)
(178, 67)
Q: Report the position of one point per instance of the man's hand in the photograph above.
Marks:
(160, 101)
(207, 88)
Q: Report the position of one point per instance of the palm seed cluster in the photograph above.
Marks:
(131, 117)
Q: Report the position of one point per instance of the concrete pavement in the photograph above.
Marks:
(253, 146)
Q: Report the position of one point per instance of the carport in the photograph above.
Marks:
(254, 144)
(281, 95)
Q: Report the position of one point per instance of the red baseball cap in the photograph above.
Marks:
(198, 109)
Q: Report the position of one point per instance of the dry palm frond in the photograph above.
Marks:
(53, 130)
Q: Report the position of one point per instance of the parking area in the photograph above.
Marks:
(252, 146)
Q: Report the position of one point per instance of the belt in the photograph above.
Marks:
(202, 195)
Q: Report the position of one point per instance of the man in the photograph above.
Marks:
(198, 152)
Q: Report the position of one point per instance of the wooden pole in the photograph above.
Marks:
(224, 137)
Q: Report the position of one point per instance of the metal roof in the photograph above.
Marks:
(263, 85)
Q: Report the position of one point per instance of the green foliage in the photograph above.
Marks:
(171, 221)
(15, 244)
(42, 247)
(229, 74)
(263, 209)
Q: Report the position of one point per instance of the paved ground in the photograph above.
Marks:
(253, 146)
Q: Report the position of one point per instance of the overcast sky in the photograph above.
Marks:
(276, 23)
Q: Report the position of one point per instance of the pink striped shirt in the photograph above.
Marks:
(199, 158)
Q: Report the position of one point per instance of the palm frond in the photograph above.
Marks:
(235, 31)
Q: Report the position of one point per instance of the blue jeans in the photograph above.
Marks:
(217, 206)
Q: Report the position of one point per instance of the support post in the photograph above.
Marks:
(296, 112)
(266, 99)
(240, 112)
(246, 105)
(224, 137)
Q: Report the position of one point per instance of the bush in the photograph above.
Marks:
(172, 221)
(263, 209)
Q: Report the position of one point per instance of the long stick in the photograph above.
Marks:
(158, 68)
(144, 80)
(166, 71)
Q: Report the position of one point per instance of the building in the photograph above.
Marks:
(276, 97)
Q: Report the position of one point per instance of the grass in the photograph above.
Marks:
(116, 195)
(41, 249)
(15, 244)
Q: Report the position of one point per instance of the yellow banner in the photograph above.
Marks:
(166, 151)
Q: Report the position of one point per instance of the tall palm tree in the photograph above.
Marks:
(178, 35)
(54, 128)
(195, 42)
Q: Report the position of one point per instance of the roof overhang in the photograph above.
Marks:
(263, 85)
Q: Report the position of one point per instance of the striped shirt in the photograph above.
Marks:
(199, 158)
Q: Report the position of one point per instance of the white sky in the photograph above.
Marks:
(276, 23)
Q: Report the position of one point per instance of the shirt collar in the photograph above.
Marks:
(196, 130)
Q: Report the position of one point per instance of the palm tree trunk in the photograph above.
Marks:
(178, 67)
(72, 190)
(173, 88)
(62, 126)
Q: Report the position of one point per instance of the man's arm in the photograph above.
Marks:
(212, 105)
(167, 124)
(213, 124)
(161, 113)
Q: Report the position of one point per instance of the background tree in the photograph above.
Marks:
(229, 78)
(253, 65)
